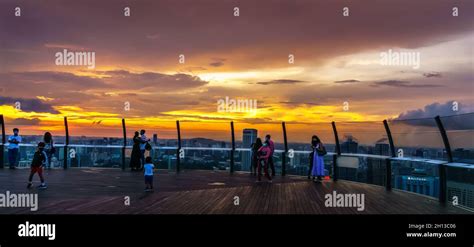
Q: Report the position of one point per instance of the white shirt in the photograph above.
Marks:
(14, 145)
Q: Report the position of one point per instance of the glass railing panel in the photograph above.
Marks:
(83, 155)
(363, 138)
(160, 133)
(95, 131)
(460, 132)
(416, 176)
(460, 184)
(205, 134)
(362, 168)
(418, 138)
(206, 159)
(299, 135)
(298, 164)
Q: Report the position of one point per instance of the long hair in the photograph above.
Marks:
(47, 138)
(258, 142)
(136, 134)
(315, 140)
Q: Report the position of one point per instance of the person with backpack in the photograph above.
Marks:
(317, 159)
(254, 164)
(264, 153)
(49, 148)
(40, 159)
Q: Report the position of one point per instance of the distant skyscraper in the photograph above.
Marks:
(349, 145)
(249, 136)
(376, 167)
(155, 139)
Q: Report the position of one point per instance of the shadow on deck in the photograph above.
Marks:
(103, 191)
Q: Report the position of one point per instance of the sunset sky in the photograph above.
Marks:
(336, 60)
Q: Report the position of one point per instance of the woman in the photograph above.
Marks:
(48, 148)
(317, 159)
(264, 153)
(255, 147)
(135, 161)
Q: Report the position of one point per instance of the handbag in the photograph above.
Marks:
(147, 146)
(321, 151)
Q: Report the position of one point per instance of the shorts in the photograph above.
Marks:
(149, 179)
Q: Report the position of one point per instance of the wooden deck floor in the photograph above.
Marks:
(102, 191)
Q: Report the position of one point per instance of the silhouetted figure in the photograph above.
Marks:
(49, 148)
(135, 160)
(254, 164)
(39, 160)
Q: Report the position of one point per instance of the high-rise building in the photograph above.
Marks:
(155, 139)
(349, 145)
(376, 167)
(248, 138)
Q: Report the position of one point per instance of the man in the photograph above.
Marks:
(13, 147)
(271, 145)
(143, 141)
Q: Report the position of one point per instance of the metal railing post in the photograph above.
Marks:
(233, 148)
(178, 158)
(442, 131)
(338, 152)
(124, 143)
(388, 174)
(285, 141)
(2, 149)
(390, 138)
(66, 128)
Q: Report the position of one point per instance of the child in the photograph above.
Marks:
(264, 153)
(39, 160)
(148, 167)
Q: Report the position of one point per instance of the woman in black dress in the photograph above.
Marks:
(255, 147)
(135, 161)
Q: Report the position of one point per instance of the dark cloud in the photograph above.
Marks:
(280, 81)
(28, 105)
(150, 80)
(347, 81)
(432, 75)
(210, 28)
(403, 84)
(452, 120)
(23, 121)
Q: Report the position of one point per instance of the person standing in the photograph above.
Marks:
(135, 158)
(143, 141)
(263, 156)
(254, 164)
(49, 148)
(148, 167)
(314, 143)
(271, 145)
(13, 148)
(39, 160)
(318, 159)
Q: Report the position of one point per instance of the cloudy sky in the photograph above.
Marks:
(336, 60)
